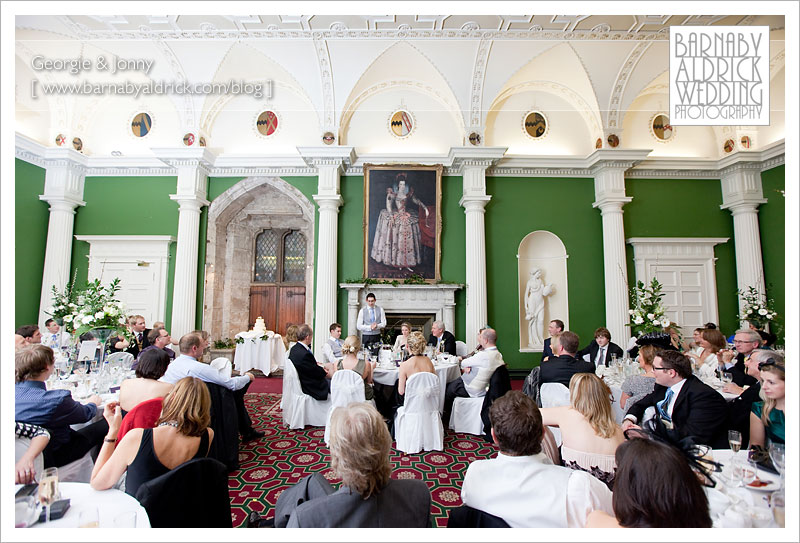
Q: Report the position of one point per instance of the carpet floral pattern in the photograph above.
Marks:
(283, 457)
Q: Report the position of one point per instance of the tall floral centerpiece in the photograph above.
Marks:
(757, 308)
(647, 314)
(97, 310)
(63, 302)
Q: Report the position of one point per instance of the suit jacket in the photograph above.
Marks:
(547, 351)
(403, 503)
(739, 374)
(739, 412)
(448, 342)
(699, 411)
(313, 379)
(132, 348)
(591, 349)
(560, 369)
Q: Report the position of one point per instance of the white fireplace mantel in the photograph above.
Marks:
(438, 299)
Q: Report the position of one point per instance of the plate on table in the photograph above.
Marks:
(772, 485)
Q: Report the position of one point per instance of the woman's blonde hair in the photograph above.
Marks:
(406, 325)
(592, 398)
(291, 335)
(188, 404)
(779, 369)
(416, 343)
(351, 345)
(360, 445)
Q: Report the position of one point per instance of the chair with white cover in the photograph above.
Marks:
(471, 415)
(223, 366)
(126, 359)
(418, 423)
(299, 409)
(77, 471)
(554, 395)
(461, 348)
(346, 387)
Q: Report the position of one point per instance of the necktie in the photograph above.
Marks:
(139, 336)
(601, 359)
(55, 340)
(372, 314)
(663, 405)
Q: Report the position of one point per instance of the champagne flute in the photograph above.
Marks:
(735, 440)
(48, 490)
(736, 473)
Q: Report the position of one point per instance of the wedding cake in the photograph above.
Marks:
(260, 327)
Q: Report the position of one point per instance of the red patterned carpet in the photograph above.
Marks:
(283, 457)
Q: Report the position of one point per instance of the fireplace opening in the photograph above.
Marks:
(420, 322)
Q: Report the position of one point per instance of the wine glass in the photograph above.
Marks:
(727, 378)
(736, 473)
(735, 440)
(48, 490)
(748, 472)
(777, 452)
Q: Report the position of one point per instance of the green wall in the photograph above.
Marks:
(31, 216)
(772, 222)
(686, 208)
(518, 207)
(117, 206)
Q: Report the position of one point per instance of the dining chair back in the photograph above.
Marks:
(346, 387)
(418, 423)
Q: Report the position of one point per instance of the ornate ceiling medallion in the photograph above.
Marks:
(402, 123)
(660, 128)
(188, 139)
(267, 123)
(77, 144)
(535, 125)
(475, 138)
(728, 146)
(141, 124)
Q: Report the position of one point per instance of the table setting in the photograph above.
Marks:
(387, 371)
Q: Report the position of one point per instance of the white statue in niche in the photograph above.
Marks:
(535, 292)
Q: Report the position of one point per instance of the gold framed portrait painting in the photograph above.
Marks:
(402, 221)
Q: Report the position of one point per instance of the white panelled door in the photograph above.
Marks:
(685, 269)
(140, 263)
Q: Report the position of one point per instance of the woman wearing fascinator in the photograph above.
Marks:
(659, 484)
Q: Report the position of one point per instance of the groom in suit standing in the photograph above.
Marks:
(314, 379)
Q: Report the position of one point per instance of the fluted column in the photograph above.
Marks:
(472, 163)
(191, 166)
(609, 189)
(63, 190)
(741, 195)
(330, 163)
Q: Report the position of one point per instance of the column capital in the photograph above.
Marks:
(62, 203)
(188, 202)
(328, 157)
(474, 203)
(328, 202)
(741, 187)
(611, 204)
(462, 158)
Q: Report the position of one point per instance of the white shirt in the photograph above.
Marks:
(60, 340)
(364, 321)
(476, 362)
(676, 389)
(186, 366)
(327, 350)
(530, 492)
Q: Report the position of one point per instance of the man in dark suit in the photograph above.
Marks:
(314, 379)
(601, 349)
(561, 368)
(442, 340)
(683, 402)
(555, 327)
(140, 331)
(746, 343)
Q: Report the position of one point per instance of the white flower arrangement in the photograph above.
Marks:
(647, 314)
(756, 308)
(94, 307)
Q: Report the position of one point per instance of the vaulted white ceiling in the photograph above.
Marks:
(591, 75)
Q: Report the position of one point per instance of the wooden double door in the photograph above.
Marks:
(278, 305)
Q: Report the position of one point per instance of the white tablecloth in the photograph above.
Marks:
(446, 373)
(739, 507)
(109, 503)
(265, 355)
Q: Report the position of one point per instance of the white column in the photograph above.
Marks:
(609, 187)
(472, 162)
(330, 163)
(191, 166)
(63, 190)
(741, 195)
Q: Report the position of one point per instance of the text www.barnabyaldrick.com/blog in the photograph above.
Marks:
(118, 67)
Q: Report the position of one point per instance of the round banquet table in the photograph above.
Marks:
(109, 503)
(264, 355)
(446, 371)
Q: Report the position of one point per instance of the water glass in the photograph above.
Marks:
(777, 452)
(736, 473)
(89, 518)
(727, 378)
(748, 472)
(777, 503)
(25, 512)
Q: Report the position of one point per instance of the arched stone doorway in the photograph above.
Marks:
(235, 220)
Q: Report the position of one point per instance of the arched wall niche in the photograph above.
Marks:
(544, 251)
(235, 218)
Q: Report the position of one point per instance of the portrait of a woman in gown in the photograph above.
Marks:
(397, 234)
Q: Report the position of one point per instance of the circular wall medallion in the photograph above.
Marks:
(613, 140)
(267, 123)
(141, 125)
(77, 144)
(746, 142)
(535, 124)
(188, 139)
(475, 138)
(728, 146)
(328, 138)
(61, 139)
(202, 141)
(661, 128)
(599, 143)
(401, 123)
